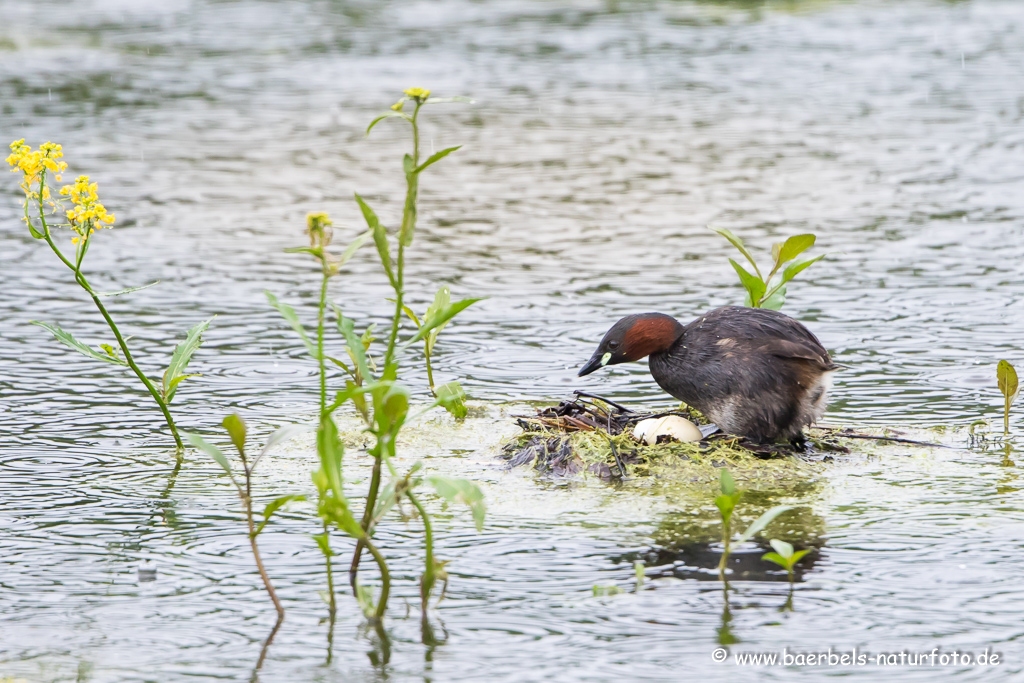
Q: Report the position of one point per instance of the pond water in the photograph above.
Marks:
(605, 137)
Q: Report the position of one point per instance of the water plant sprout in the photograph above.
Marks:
(784, 556)
(726, 503)
(374, 390)
(1006, 377)
(237, 432)
(86, 216)
(769, 292)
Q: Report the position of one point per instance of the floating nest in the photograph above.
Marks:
(590, 434)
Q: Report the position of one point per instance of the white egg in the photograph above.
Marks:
(678, 428)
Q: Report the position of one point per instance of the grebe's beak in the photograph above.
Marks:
(598, 360)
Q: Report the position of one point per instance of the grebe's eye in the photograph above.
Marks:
(613, 344)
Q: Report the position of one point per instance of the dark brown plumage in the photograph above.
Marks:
(753, 372)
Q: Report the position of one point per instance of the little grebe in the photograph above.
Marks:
(753, 372)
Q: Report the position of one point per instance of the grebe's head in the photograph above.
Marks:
(633, 338)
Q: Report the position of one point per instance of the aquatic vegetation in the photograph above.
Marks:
(87, 215)
(237, 432)
(769, 292)
(1006, 377)
(373, 389)
(784, 556)
(726, 504)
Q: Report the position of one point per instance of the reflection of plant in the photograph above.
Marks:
(767, 292)
(1006, 376)
(237, 432)
(726, 504)
(87, 215)
(373, 388)
(784, 556)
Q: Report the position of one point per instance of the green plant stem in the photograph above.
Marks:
(321, 315)
(246, 497)
(430, 375)
(385, 579)
(378, 453)
(84, 284)
(726, 537)
(1006, 417)
(332, 603)
(366, 522)
(408, 215)
(430, 569)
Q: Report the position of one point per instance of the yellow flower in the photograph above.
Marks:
(88, 212)
(397, 106)
(33, 164)
(418, 94)
(319, 230)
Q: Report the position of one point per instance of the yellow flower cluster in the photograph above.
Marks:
(418, 94)
(88, 213)
(32, 164)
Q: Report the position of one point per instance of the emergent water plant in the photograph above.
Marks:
(372, 385)
(770, 292)
(1006, 376)
(87, 215)
(784, 556)
(726, 503)
(237, 432)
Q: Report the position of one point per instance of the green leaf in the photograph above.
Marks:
(286, 433)
(799, 555)
(753, 284)
(288, 313)
(380, 238)
(386, 500)
(434, 158)
(273, 506)
(448, 100)
(396, 403)
(355, 344)
(726, 484)
(1007, 378)
(364, 596)
(776, 300)
(726, 504)
(761, 522)
(181, 357)
(387, 115)
(777, 559)
(412, 315)
(211, 450)
(441, 317)
(736, 242)
(407, 165)
(462, 491)
(452, 398)
(236, 430)
(127, 291)
(32, 231)
(323, 541)
(794, 246)
(331, 452)
(782, 548)
(797, 267)
(68, 340)
(341, 364)
(353, 246)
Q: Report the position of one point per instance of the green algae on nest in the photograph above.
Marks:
(595, 437)
(591, 452)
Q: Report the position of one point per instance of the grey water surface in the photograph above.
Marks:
(604, 138)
